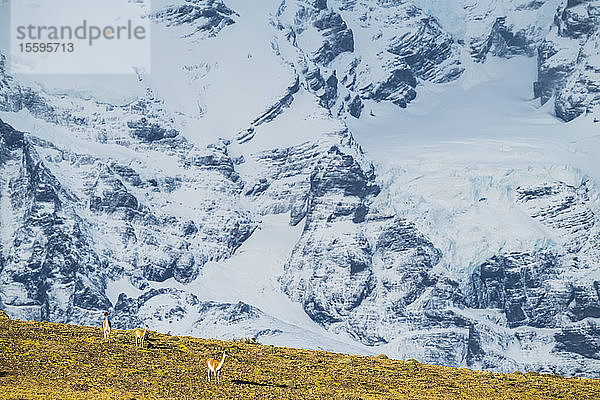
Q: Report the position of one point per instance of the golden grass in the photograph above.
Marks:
(41, 360)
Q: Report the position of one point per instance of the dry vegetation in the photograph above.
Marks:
(52, 361)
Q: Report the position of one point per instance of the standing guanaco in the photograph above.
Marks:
(106, 327)
(140, 335)
(214, 366)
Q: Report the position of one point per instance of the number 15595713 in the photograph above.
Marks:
(46, 47)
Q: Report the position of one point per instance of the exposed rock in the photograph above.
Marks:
(568, 66)
(109, 195)
(149, 132)
(503, 42)
(127, 173)
(524, 287)
(409, 46)
(355, 107)
(206, 17)
(399, 88)
(352, 265)
(337, 36)
(582, 338)
(425, 50)
(50, 271)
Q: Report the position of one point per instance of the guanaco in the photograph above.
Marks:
(140, 335)
(214, 366)
(106, 327)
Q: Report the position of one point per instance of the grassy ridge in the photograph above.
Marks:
(52, 361)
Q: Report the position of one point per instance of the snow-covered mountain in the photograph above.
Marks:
(418, 178)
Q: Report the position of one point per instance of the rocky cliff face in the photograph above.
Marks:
(49, 270)
(398, 45)
(549, 289)
(204, 17)
(569, 70)
(506, 29)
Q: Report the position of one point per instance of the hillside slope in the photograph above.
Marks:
(47, 360)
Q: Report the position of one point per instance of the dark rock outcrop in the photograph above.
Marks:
(568, 68)
(149, 132)
(206, 17)
(522, 286)
(338, 37)
(582, 338)
(503, 42)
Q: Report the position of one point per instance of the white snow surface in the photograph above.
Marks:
(452, 160)
(469, 20)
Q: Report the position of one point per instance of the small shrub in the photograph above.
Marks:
(412, 365)
(382, 356)
(289, 384)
